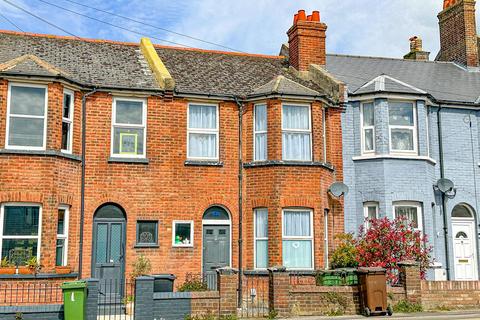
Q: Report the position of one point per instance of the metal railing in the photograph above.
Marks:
(255, 290)
(201, 282)
(303, 278)
(18, 293)
(116, 299)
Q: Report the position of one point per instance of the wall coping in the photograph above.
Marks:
(323, 289)
(45, 308)
(40, 276)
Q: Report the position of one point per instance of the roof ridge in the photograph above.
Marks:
(388, 58)
(135, 44)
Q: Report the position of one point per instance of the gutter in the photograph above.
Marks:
(82, 186)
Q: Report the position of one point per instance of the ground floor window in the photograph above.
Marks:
(261, 238)
(20, 232)
(297, 238)
(62, 236)
(147, 233)
(182, 233)
(411, 210)
(370, 211)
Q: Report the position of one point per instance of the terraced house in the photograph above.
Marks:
(410, 123)
(195, 159)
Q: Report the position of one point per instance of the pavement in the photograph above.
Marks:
(454, 315)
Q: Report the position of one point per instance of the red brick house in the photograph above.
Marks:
(112, 150)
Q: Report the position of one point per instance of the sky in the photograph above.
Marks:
(358, 27)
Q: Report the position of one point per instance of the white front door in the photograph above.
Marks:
(464, 249)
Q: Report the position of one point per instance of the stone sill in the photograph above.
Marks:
(146, 246)
(200, 163)
(44, 153)
(40, 276)
(128, 160)
(279, 163)
(394, 157)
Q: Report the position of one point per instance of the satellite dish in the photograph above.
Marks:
(445, 185)
(338, 189)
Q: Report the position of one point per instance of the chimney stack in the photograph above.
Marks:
(458, 33)
(306, 40)
(416, 50)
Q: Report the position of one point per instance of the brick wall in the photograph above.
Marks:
(450, 294)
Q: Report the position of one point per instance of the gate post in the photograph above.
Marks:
(411, 281)
(279, 290)
(92, 299)
(227, 287)
(144, 298)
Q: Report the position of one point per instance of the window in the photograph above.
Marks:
(20, 232)
(260, 132)
(27, 117)
(261, 238)
(202, 132)
(67, 121)
(370, 211)
(182, 234)
(147, 233)
(412, 211)
(62, 236)
(402, 123)
(296, 133)
(297, 236)
(128, 128)
(368, 127)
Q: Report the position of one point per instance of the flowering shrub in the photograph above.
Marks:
(388, 242)
(345, 255)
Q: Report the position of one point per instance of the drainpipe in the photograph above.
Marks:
(240, 199)
(444, 199)
(82, 186)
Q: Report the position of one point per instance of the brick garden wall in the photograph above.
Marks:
(450, 294)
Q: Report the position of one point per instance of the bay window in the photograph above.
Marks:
(128, 128)
(296, 133)
(368, 127)
(297, 238)
(67, 121)
(20, 229)
(260, 132)
(62, 236)
(261, 238)
(412, 211)
(202, 142)
(370, 212)
(26, 117)
(402, 127)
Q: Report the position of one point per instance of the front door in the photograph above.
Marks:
(464, 248)
(108, 263)
(216, 251)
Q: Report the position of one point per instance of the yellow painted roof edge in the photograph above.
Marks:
(163, 77)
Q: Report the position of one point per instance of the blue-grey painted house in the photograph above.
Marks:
(408, 123)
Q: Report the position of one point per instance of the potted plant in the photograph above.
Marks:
(6, 267)
(128, 301)
(63, 269)
(31, 267)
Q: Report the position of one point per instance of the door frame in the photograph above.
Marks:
(124, 234)
(219, 223)
(472, 222)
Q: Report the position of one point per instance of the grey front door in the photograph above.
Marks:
(108, 263)
(216, 251)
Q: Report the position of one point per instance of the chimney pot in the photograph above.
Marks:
(295, 19)
(316, 16)
(301, 15)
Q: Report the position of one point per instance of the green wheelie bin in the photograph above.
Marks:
(74, 300)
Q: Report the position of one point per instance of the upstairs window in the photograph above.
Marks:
(296, 133)
(202, 132)
(260, 132)
(26, 117)
(128, 128)
(368, 127)
(402, 125)
(412, 211)
(67, 121)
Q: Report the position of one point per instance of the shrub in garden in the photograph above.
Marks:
(345, 255)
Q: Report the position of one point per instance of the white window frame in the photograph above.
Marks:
(311, 237)
(204, 131)
(255, 238)
(38, 237)
(364, 128)
(69, 120)
(174, 224)
(255, 132)
(64, 236)
(367, 205)
(129, 126)
(414, 128)
(10, 115)
(416, 204)
(309, 130)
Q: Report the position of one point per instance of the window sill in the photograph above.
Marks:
(128, 160)
(190, 246)
(146, 246)
(272, 163)
(199, 163)
(393, 156)
(44, 153)
(38, 276)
